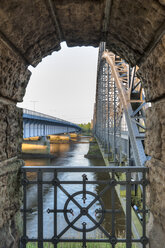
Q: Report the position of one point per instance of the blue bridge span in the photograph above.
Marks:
(38, 124)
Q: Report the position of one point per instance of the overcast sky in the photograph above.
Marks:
(64, 84)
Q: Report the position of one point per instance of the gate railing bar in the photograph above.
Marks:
(55, 209)
(128, 210)
(113, 212)
(40, 209)
(85, 168)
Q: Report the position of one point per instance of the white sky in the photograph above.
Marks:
(64, 84)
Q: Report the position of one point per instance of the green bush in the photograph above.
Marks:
(79, 245)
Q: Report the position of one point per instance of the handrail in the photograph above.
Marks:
(85, 168)
(35, 113)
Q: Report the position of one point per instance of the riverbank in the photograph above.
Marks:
(94, 151)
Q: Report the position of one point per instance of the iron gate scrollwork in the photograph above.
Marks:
(83, 200)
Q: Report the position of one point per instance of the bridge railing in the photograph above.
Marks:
(83, 204)
(35, 113)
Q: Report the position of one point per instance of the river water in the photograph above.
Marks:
(71, 154)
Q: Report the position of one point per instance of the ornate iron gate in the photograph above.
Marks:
(83, 200)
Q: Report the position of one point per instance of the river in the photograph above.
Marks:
(71, 154)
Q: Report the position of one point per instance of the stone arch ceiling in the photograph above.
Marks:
(34, 28)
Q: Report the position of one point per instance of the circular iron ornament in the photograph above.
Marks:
(113, 182)
(113, 240)
(24, 240)
(144, 240)
(55, 240)
(84, 211)
(144, 182)
(24, 181)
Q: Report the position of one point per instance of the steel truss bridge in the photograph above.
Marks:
(38, 124)
(119, 126)
(119, 111)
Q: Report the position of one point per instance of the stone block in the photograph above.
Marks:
(155, 133)
(10, 203)
(3, 130)
(155, 191)
(10, 131)
(152, 72)
(14, 130)
(10, 232)
(14, 75)
(10, 190)
(155, 234)
(31, 30)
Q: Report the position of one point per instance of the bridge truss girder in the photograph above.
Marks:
(119, 98)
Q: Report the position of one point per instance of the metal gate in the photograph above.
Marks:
(83, 200)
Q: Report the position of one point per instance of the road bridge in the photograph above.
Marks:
(39, 124)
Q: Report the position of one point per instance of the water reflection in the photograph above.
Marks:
(59, 148)
(70, 155)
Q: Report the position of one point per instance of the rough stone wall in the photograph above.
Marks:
(29, 27)
(10, 202)
(36, 30)
(152, 72)
(14, 75)
(11, 131)
(10, 191)
(155, 147)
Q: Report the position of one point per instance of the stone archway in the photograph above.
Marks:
(30, 30)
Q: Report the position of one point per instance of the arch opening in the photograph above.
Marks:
(134, 30)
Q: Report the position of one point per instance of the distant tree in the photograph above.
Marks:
(86, 127)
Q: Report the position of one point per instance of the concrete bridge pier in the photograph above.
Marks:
(46, 142)
(41, 141)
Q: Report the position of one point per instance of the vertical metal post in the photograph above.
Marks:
(40, 210)
(120, 141)
(102, 107)
(24, 209)
(37, 127)
(114, 122)
(84, 235)
(29, 130)
(24, 129)
(113, 207)
(106, 106)
(109, 78)
(128, 210)
(144, 209)
(129, 152)
(55, 208)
